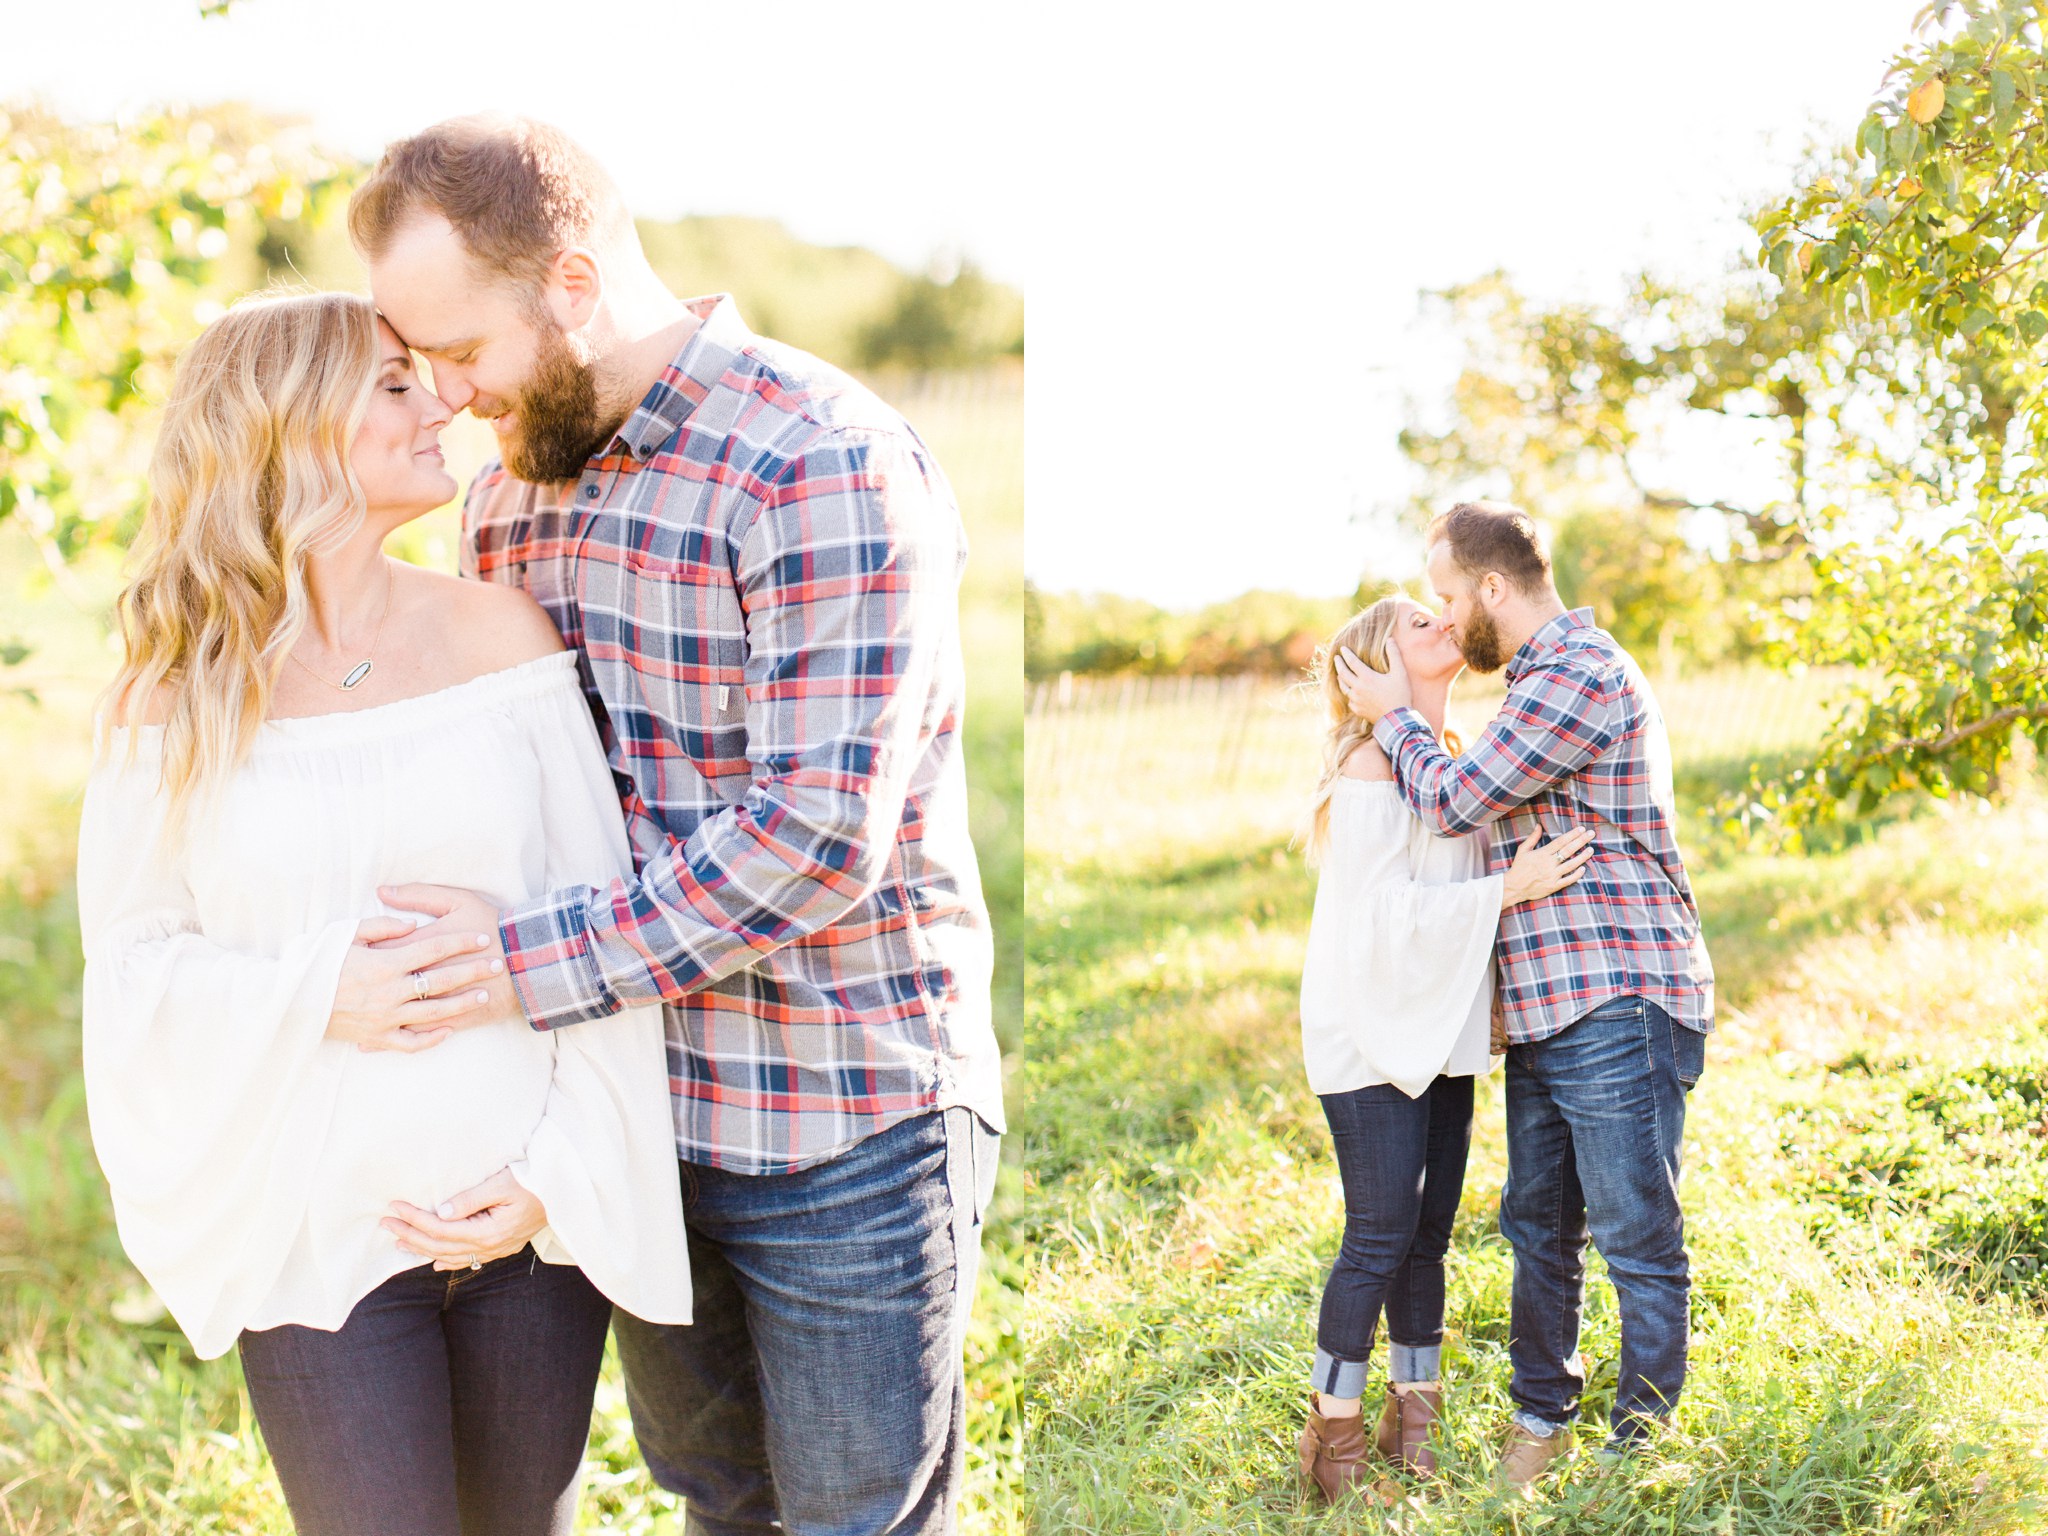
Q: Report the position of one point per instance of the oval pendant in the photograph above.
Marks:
(362, 671)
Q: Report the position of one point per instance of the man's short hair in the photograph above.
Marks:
(516, 192)
(1493, 536)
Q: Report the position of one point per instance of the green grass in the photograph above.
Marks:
(107, 1422)
(1863, 1186)
(111, 1425)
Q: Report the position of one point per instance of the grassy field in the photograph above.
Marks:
(1865, 1186)
(107, 1422)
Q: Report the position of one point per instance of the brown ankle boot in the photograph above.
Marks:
(1406, 1421)
(1525, 1457)
(1336, 1456)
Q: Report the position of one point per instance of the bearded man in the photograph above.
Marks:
(1606, 991)
(757, 562)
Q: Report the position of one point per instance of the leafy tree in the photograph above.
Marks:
(931, 323)
(1034, 630)
(1569, 410)
(814, 297)
(1273, 633)
(1926, 229)
(112, 239)
(1073, 632)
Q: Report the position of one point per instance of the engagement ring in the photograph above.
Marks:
(419, 987)
(475, 1262)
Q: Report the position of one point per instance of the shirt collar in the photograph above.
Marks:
(1547, 641)
(690, 376)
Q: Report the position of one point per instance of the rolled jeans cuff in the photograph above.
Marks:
(1338, 1378)
(1414, 1362)
(1541, 1428)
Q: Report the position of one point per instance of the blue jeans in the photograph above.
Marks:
(820, 1390)
(1595, 1114)
(1403, 1165)
(448, 1404)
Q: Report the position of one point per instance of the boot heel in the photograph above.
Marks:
(1408, 1423)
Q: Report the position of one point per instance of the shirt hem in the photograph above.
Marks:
(753, 1166)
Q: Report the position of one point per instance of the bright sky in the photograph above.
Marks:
(890, 126)
(1226, 215)
(1221, 337)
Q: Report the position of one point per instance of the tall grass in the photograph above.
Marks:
(107, 1422)
(1863, 1156)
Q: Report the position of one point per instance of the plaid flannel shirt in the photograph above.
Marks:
(1579, 742)
(760, 573)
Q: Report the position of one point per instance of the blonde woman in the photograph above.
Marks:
(298, 722)
(1396, 1001)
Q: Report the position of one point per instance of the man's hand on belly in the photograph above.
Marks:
(458, 911)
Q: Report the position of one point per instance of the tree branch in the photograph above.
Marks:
(1954, 738)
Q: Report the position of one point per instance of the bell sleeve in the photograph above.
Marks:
(207, 1090)
(603, 1158)
(1395, 966)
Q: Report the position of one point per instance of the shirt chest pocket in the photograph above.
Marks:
(681, 631)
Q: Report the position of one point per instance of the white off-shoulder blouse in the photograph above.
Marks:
(1397, 984)
(250, 1158)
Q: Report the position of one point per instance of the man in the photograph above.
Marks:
(1605, 988)
(758, 564)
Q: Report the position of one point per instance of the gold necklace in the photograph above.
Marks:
(361, 669)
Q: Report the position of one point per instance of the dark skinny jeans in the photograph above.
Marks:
(448, 1404)
(1403, 1165)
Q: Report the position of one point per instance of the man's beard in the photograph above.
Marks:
(1479, 642)
(561, 421)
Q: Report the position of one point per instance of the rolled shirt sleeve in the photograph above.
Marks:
(1556, 719)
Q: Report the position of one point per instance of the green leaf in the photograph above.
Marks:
(1975, 321)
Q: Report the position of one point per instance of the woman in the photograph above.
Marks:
(297, 722)
(1396, 1002)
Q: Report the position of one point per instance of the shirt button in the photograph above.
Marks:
(590, 490)
(646, 449)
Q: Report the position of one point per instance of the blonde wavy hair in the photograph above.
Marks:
(250, 475)
(1368, 635)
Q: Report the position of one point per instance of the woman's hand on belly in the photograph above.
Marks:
(493, 1219)
(397, 992)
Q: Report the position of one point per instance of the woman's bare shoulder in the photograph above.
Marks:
(500, 625)
(129, 708)
(1366, 761)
